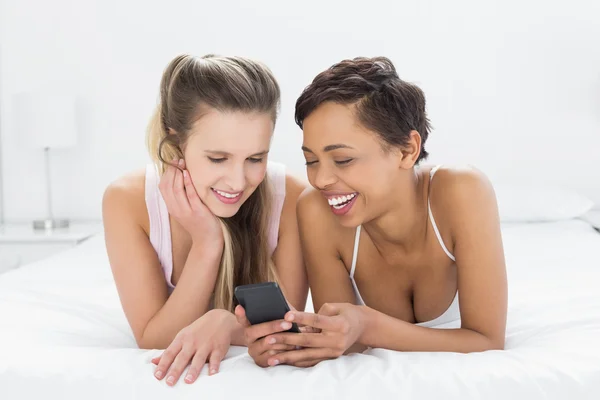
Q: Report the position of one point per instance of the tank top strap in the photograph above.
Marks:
(435, 228)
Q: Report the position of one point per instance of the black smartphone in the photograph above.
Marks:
(263, 302)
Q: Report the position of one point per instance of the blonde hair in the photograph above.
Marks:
(188, 87)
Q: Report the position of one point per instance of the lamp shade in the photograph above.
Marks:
(46, 119)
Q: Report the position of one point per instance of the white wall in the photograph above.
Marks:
(512, 86)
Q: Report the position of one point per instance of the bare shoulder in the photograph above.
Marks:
(457, 192)
(461, 184)
(293, 189)
(294, 186)
(129, 189)
(125, 198)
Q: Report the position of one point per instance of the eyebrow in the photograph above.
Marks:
(224, 153)
(330, 147)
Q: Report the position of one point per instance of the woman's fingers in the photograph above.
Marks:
(314, 340)
(282, 347)
(264, 345)
(214, 361)
(167, 358)
(166, 184)
(319, 321)
(190, 190)
(240, 315)
(179, 190)
(255, 332)
(300, 356)
(309, 329)
(196, 367)
(181, 361)
(306, 364)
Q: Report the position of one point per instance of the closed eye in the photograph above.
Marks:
(344, 162)
(308, 163)
(255, 160)
(217, 160)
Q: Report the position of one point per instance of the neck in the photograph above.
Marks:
(403, 223)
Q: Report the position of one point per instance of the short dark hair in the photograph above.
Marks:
(384, 103)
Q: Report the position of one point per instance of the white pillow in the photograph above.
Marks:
(520, 203)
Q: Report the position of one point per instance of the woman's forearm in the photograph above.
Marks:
(383, 331)
(189, 301)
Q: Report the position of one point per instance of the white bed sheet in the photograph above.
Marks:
(63, 335)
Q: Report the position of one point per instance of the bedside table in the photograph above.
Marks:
(21, 244)
(593, 218)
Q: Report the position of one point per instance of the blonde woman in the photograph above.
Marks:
(209, 213)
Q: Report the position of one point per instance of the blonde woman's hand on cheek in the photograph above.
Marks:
(206, 340)
(327, 335)
(184, 204)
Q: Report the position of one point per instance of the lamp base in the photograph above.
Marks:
(50, 224)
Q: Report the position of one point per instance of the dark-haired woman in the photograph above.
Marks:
(394, 249)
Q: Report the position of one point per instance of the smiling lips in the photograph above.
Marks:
(227, 197)
(340, 203)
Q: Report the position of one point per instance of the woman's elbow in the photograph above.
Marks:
(146, 341)
(478, 342)
(145, 344)
(491, 343)
(496, 343)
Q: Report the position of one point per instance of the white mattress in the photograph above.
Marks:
(63, 335)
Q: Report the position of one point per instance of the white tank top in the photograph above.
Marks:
(453, 311)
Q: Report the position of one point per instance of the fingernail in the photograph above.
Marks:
(180, 162)
(298, 347)
(185, 173)
(290, 317)
(213, 371)
(286, 325)
(272, 340)
(158, 374)
(170, 380)
(275, 362)
(189, 378)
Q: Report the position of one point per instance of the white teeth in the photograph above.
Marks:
(335, 201)
(229, 196)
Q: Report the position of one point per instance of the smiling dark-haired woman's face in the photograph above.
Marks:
(347, 163)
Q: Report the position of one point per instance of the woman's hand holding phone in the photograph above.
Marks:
(256, 337)
(326, 335)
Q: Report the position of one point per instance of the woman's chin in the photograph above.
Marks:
(223, 210)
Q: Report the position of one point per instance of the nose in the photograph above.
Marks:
(322, 177)
(236, 178)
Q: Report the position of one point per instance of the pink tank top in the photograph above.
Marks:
(160, 227)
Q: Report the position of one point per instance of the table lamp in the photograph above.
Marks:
(46, 121)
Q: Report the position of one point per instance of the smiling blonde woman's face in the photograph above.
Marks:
(226, 155)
